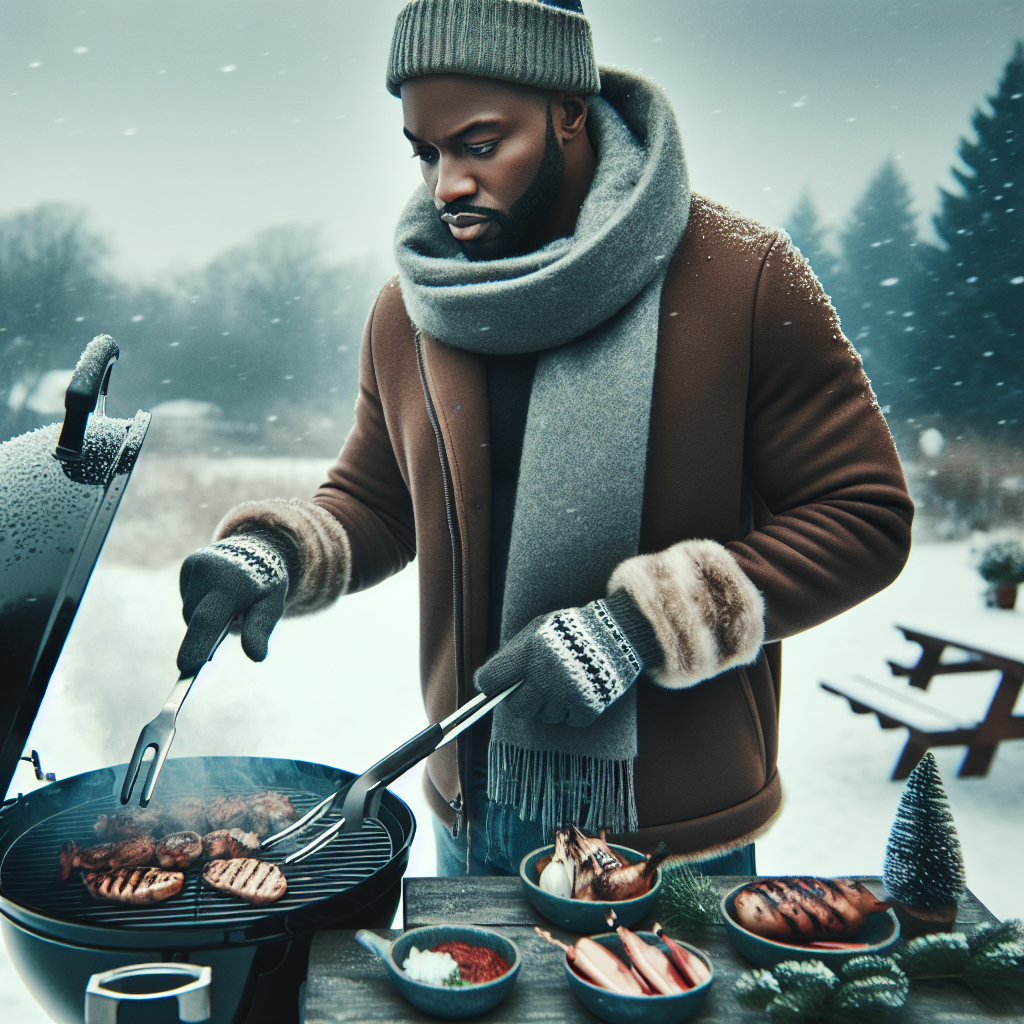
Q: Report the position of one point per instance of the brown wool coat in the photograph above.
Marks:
(765, 437)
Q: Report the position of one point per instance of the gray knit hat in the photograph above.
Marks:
(544, 43)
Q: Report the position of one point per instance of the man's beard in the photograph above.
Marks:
(521, 219)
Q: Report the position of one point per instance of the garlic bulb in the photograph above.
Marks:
(554, 879)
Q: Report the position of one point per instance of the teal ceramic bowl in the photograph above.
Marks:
(618, 1009)
(881, 931)
(584, 915)
(457, 1003)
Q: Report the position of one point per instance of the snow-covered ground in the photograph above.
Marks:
(342, 688)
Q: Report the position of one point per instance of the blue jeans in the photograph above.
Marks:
(500, 841)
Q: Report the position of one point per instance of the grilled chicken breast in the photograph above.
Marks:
(136, 886)
(177, 850)
(256, 881)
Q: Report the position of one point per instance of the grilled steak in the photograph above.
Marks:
(134, 885)
(135, 852)
(179, 849)
(257, 881)
(135, 821)
(94, 858)
(279, 810)
(228, 812)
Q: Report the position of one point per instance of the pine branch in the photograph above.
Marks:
(872, 990)
(688, 902)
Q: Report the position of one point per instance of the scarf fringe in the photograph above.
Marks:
(558, 788)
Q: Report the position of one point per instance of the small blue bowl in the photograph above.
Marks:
(881, 931)
(586, 915)
(619, 1009)
(462, 1001)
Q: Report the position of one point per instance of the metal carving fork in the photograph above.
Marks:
(361, 797)
(160, 732)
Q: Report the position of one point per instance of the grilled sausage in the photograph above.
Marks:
(179, 849)
(137, 886)
(256, 881)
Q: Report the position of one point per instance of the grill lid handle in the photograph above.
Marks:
(194, 1002)
(86, 393)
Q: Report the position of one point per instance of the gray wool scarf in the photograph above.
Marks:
(590, 305)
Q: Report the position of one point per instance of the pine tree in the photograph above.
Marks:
(881, 274)
(809, 237)
(973, 375)
(923, 862)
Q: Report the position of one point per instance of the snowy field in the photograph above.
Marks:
(342, 688)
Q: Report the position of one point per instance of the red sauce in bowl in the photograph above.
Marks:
(476, 963)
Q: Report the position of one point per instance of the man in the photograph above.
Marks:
(621, 419)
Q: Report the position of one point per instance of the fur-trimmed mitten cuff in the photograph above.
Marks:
(705, 612)
(320, 540)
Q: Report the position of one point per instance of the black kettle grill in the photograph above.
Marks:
(207, 955)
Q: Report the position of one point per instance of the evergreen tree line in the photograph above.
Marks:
(261, 344)
(940, 327)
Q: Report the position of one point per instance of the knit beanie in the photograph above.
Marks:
(543, 43)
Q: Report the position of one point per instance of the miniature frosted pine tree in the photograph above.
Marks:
(924, 866)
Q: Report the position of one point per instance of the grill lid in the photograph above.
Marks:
(59, 490)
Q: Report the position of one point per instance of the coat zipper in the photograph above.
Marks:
(462, 743)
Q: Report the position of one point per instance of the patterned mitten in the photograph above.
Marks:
(574, 663)
(245, 574)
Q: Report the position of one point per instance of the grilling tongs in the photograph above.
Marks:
(361, 797)
(159, 733)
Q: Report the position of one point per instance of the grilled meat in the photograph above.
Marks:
(242, 844)
(804, 909)
(630, 880)
(280, 810)
(215, 844)
(94, 858)
(256, 881)
(134, 821)
(137, 886)
(136, 851)
(178, 850)
(68, 860)
(227, 812)
(189, 814)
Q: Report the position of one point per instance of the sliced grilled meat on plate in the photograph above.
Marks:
(134, 885)
(179, 849)
(256, 881)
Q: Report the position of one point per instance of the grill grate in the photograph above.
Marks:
(28, 874)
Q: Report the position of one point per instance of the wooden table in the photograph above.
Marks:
(347, 983)
(993, 640)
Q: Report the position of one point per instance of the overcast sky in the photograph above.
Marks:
(186, 125)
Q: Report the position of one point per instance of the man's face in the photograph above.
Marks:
(489, 155)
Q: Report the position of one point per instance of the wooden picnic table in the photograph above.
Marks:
(992, 640)
(348, 983)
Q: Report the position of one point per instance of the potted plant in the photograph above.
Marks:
(1002, 567)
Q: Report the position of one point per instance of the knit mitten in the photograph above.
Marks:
(246, 574)
(574, 663)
